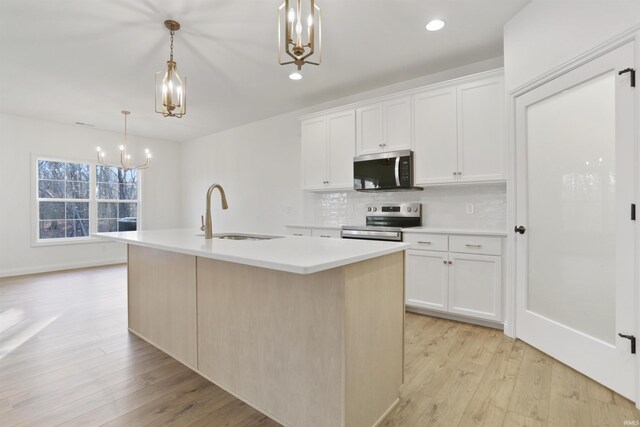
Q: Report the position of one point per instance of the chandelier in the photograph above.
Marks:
(171, 96)
(125, 157)
(298, 48)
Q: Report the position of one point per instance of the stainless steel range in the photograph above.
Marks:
(385, 221)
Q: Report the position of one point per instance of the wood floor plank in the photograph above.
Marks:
(530, 397)
(569, 398)
(489, 404)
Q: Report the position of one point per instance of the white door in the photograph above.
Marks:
(427, 279)
(436, 136)
(341, 143)
(397, 124)
(575, 187)
(475, 285)
(314, 153)
(370, 134)
(481, 149)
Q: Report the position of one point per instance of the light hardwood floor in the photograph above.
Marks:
(66, 358)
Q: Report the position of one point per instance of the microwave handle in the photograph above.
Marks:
(398, 171)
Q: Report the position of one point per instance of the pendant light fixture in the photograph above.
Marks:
(125, 157)
(302, 30)
(171, 95)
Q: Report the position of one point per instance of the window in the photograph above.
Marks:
(76, 199)
(117, 194)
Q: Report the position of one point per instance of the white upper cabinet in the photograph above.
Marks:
(436, 136)
(341, 143)
(314, 153)
(384, 126)
(481, 125)
(459, 133)
(369, 135)
(456, 130)
(328, 147)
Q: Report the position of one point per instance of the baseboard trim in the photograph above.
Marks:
(456, 317)
(59, 267)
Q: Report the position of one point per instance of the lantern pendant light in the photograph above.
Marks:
(125, 157)
(302, 29)
(171, 95)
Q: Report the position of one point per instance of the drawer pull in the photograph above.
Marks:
(297, 234)
(325, 236)
(424, 243)
(473, 246)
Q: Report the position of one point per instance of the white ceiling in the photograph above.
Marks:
(85, 60)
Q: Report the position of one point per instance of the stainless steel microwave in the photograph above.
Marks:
(391, 171)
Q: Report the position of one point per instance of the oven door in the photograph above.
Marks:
(385, 171)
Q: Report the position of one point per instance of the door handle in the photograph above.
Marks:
(633, 341)
(520, 229)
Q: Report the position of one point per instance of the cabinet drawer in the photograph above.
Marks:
(476, 245)
(427, 242)
(324, 232)
(298, 231)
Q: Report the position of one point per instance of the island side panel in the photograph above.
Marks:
(162, 301)
(274, 339)
(374, 337)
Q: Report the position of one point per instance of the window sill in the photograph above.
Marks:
(67, 241)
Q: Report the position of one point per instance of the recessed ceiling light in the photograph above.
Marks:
(295, 76)
(435, 25)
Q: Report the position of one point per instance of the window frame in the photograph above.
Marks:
(36, 241)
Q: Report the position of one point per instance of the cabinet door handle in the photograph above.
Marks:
(469, 245)
(444, 262)
(450, 262)
(455, 173)
(459, 172)
(424, 243)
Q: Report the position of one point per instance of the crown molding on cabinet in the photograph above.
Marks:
(407, 92)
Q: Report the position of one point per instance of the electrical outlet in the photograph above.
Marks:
(469, 208)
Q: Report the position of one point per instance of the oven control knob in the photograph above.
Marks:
(375, 209)
(369, 209)
(408, 209)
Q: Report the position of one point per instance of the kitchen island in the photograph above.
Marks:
(307, 330)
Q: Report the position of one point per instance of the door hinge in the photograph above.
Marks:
(633, 75)
(633, 341)
(633, 211)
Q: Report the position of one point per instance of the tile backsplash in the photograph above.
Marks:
(481, 206)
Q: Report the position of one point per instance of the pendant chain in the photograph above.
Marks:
(171, 52)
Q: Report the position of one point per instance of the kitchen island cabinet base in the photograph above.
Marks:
(321, 349)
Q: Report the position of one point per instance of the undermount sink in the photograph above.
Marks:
(243, 237)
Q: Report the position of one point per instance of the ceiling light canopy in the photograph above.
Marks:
(171, 95)
(302, 38)
(435, 25)
(125, 157)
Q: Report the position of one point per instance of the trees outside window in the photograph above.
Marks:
(76, 199)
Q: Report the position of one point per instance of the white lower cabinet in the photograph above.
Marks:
(462, 276)
(475, 284)
(427, 279)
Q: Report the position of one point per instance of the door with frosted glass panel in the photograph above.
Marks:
(575, 187)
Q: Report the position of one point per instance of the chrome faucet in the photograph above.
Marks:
(208, 227)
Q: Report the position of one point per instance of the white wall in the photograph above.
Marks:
(547, 34)
(258, 165)
(20, 138)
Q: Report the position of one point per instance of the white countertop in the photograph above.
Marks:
(469, 231)
(323, 227)
(303, 255)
